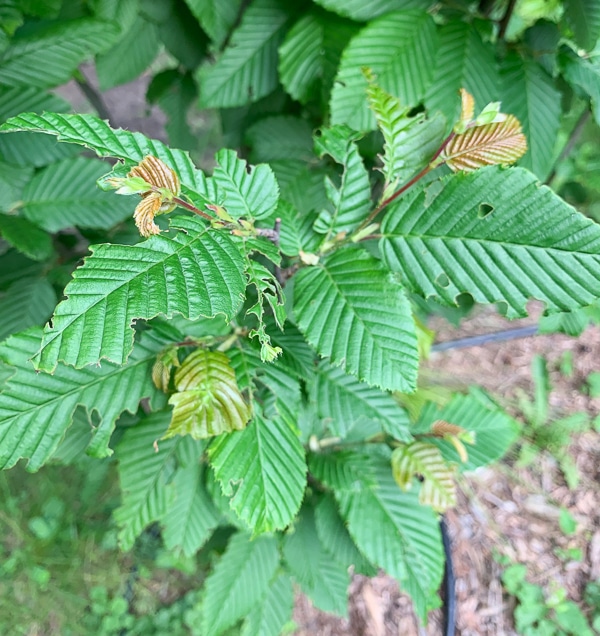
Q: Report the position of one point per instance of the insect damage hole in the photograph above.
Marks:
(485, 209)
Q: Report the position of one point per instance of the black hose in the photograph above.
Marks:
(475, 341)
(449, 607)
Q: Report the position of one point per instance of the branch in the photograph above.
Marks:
(571, 143)
(93, 96)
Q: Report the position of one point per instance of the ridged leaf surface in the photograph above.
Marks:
(238, 581)
(363, 11)
(497, 235)
(529, 94)
(264, 471)
(400, 50)
(26, 237)
(198, 272)
(247, 68)
(352, 311)
(36, 409)
(274, 610)
(584, 17)
(26, 303)
(398, 534)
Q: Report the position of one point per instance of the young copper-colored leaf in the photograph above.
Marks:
(467, 109)
(441, 428)
(166, 361)
(425, 460)
(155, 172)
(501, 142)
(145, 212)
(208, 401)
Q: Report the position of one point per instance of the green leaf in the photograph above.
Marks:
(36, 409)
(26, 237)
(341, 471)
(322, 579)
(61, 45)
(529, 94)
(96, 134)
(274, 610)
(494, 430)
(310, 54)
(410, 142)
(364, 11)
(397, 533)
(251, 192)
(584, 17)
(15, 266)
(435, 475)
(190, 516)
(400, 50)
(26, 303)
(130, 56)
(207, 401)
(182, 36)
(297, 233)
(530, 245)
(350, 200)
(64, 195)
(462, 61)
(263, 469)
(280, 137)
(351, 310)
(342, 400)
(585, 76)
(238, 582)
(334, 536)
(216, 17)
(145, 469)
(247, 69)
(29, 149)
(13, 179)
(198, 272)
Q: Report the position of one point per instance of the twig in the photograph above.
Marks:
(571, 143)
(93, 96)
(238, 18)
(506, 18)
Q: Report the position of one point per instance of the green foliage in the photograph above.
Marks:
(279, 309)
(538, 613)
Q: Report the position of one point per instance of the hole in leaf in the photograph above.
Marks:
(485, 209)
(442, 280)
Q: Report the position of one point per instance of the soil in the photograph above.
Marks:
(502, 510)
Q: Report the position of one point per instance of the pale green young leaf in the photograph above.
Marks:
(251, 192)
(498, 235)
(394, 531)
(425, 460)
(280, 137)
(264, 471)
(350, 199)
(198, 272)
(342, 400)
(64, 195)
(462, 61)
(207, 401)
(400, 49)
(310, 54)
(493, 429)
(238, 582)
(584, 18)
(409, 142)
(61, 45)
(247, 68)
(364, 11)
(144, 475)
(351, 310)
(322, 579)
(36, 409)
(129, 56)
(26, 237)
(215, 16)
(528, 93)
(26, 303)
(190, 515)
(274, 610)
